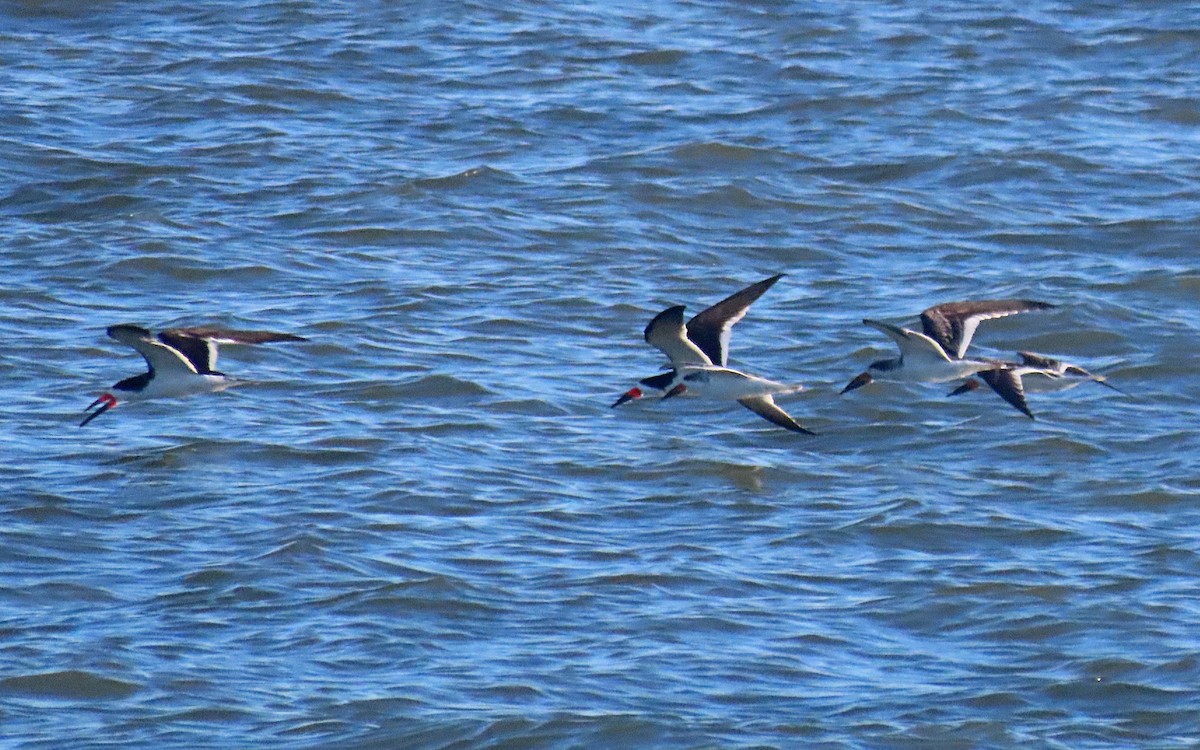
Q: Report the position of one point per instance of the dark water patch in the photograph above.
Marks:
(252, 596)
(292, 93)
(1011, 584)
(381, 236)
(1068, 340)
(1169, 555)
(225, 715)
(1101, 695)
(69, 685)
(729, 198)
(364, 391)
(933, 535)
(800, 72)
(1029, 629)
(209, 578)
(1190, 283)
(1042, 240)
(530, 407)
(562, 731)
(654, 57)
(1155, 498)
(318, 728)
(509, 693)
(304, 547)
(1110, 668)
(1005, 700)
(880, 172)
(47, 513)
(181, 268)
(476, 177)
(350, 442)
(572, 114)
(62, 592)
(442, 598)
(438, 387)
(713, 153)
(1058, 445)
(94, 209)
(197, 453)
(631, 581)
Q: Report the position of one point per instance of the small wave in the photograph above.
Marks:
(94, 208)
(1160, 498)
(882, 171)
(806, 73)
(1051, 445)
(290, 94)
(577, 114)
(301, 548)
(731, 197)
(709, 152)
(210, 715)
(472, 176)
(360, 236)
(531, 407)
(427, 596)
(319, 727)
(440, 386)
(47, 513)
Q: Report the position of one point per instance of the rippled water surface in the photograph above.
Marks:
(425, 528)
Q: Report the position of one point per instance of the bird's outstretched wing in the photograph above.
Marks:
(953, 324)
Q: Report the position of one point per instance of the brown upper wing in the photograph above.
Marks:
(199, 343)
(709, 329)
(952, 324)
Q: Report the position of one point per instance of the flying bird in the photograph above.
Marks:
(937, 353)
(699, 355)
(1034, 373)
(179, 362)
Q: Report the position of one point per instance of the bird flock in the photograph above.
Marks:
(699, 351)
(181, 361)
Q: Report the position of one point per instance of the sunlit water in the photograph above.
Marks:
(426, 528)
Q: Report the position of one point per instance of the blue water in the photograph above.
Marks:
(425, 528)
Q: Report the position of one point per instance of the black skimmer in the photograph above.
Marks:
(699, 352)
(1035, 373)
(180, 362)
(937, 354)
